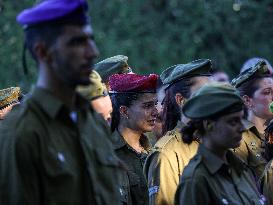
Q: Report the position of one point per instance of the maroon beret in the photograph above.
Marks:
(131, 82)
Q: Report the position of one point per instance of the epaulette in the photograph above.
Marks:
(165, 139)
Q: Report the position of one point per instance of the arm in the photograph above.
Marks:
(162, 176)
(18, 174)
(193, 191)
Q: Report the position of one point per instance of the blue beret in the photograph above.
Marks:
(54, 10)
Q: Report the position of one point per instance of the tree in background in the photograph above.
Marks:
(155, 34)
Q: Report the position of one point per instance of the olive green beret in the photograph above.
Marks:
(211, 100)
(95, 89)
(9, 96)
(173, 74)
(113, 65)
(259, 68)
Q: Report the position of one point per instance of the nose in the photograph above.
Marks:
(92, 51)
(154, 111)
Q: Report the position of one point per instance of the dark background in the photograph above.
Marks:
(156, 34)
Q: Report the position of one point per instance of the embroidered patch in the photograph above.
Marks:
(153, 190)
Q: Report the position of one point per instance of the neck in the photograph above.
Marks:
(132, 137)
(57, 87)
(218, 151)
(258, 122)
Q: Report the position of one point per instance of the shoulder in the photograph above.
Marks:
(170, 138)
(194, 169)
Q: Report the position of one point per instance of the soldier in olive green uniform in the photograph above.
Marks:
(134, 113)
(170, 155)
(216, 175)
(8, 98)
(256, 88)
(54, 149)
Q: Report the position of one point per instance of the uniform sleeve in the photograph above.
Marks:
(193, 192)
(162, 177)
(18, 175)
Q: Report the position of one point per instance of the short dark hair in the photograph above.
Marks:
(46, 32)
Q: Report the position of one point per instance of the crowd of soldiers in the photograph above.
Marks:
(107, 135)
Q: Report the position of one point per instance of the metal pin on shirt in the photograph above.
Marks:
(60, 157)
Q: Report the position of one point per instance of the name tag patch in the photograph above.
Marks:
(153, 190)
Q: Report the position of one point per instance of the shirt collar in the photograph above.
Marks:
(52, 105)
(214, 163)
(119, 142)
(251, 126)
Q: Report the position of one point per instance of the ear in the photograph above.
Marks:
(123, 110)
(180, 100)
(208, 125)
(41, 51)
(248, 101)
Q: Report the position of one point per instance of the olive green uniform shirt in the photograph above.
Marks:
(251, 149)
(208, 180)
(267, 182)
(51, 156)
(165, 164)
(134, 162)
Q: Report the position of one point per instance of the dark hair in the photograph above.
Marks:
(46, 32)
(192, 131)
(171, 110)
(119, 99)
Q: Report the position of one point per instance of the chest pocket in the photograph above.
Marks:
(107, 159)
(57, 163)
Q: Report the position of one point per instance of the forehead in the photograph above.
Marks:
(147, 97)
(266, 83)
(238, 114)
(76, 30)
(199, 81)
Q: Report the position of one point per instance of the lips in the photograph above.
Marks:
(152, 121)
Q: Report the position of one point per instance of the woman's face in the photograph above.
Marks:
(142, 113)
(262, 97)
(226, 131)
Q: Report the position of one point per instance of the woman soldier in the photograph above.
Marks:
(134, 113)
(255, 86)
(166, 163)
(216, 175)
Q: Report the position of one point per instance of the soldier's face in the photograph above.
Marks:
(262, 97)
(142, 114)
(73, 55)
(226, 131)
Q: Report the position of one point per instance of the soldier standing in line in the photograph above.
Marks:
(54, 149)
(134, 113)
(216, 175)
(170, 155)
(255, 86)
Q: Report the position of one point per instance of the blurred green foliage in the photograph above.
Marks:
(155, 34)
